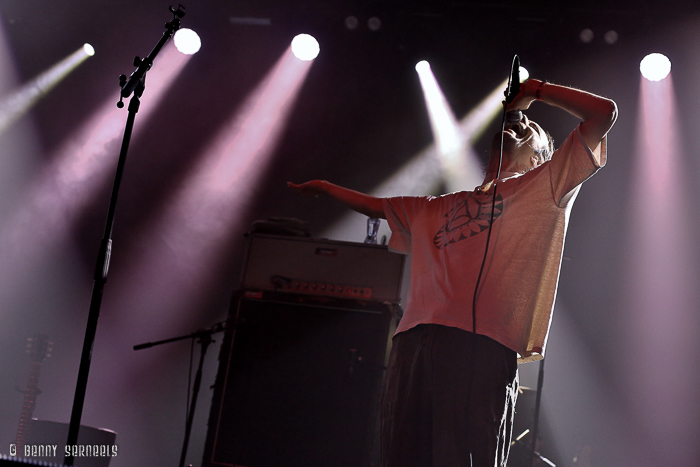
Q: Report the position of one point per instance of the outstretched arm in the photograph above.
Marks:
(598, 113)
(365, 204)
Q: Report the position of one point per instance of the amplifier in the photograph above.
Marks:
(322, 267)
(299, 382)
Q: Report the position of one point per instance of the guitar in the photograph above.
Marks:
(39, 349)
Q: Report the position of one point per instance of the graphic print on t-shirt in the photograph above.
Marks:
(469, 217)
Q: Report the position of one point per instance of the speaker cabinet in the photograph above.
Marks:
(298, 383)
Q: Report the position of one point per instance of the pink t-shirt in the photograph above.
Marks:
(446, 237)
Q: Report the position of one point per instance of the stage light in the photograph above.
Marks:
(305, 47)
(374, 24)
(524, 74)
(611, 37)
(449, 140)
(426, 170)
(187, 41)
(210, 203)
(655, 67)
(660, 291)
(18, 102)
(351, 22)
(422, 66)
(78, 168)
(586, 35)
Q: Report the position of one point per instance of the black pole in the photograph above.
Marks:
(204, 339)
(137, 86)
(101, 269)
(540, 383)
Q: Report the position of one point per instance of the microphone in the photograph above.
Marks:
(514, 116)
(514, 81)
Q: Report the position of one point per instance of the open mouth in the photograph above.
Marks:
(516, 130)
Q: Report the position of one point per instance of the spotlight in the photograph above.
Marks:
(422, 66)
(524, 74)
(611, 37)
(187, 41)
(374, 24)
(586, 36)
(89, 50)
(655, 67)
(351, 22)
(305, 47)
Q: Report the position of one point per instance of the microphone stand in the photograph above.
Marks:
(538, 400)
(532, 453)
(204, 336)
(135, 84)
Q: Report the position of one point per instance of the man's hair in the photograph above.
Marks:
(546, 153)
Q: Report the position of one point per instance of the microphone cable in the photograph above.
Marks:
(510, 95)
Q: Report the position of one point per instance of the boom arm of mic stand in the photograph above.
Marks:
(145, 64)
(218, 327)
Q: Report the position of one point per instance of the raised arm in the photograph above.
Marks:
(364, 204)
(598, 113)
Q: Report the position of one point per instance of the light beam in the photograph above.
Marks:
(660, 319)
(172, 273)
(17, 103)
(423, 172)
(66, 185)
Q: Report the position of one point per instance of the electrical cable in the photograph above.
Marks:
(494, 185)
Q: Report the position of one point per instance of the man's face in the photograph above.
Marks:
(520, 140)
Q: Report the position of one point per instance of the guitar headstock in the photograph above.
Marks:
(39, 347)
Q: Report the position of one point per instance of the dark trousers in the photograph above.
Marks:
(448, 400)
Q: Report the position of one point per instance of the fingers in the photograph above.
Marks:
(308, 188)
(301, 188)
(527, 94)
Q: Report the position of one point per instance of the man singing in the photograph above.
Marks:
(474, 313)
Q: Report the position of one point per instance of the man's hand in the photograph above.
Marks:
(598, 113)
(312, 188)
(527, 94)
